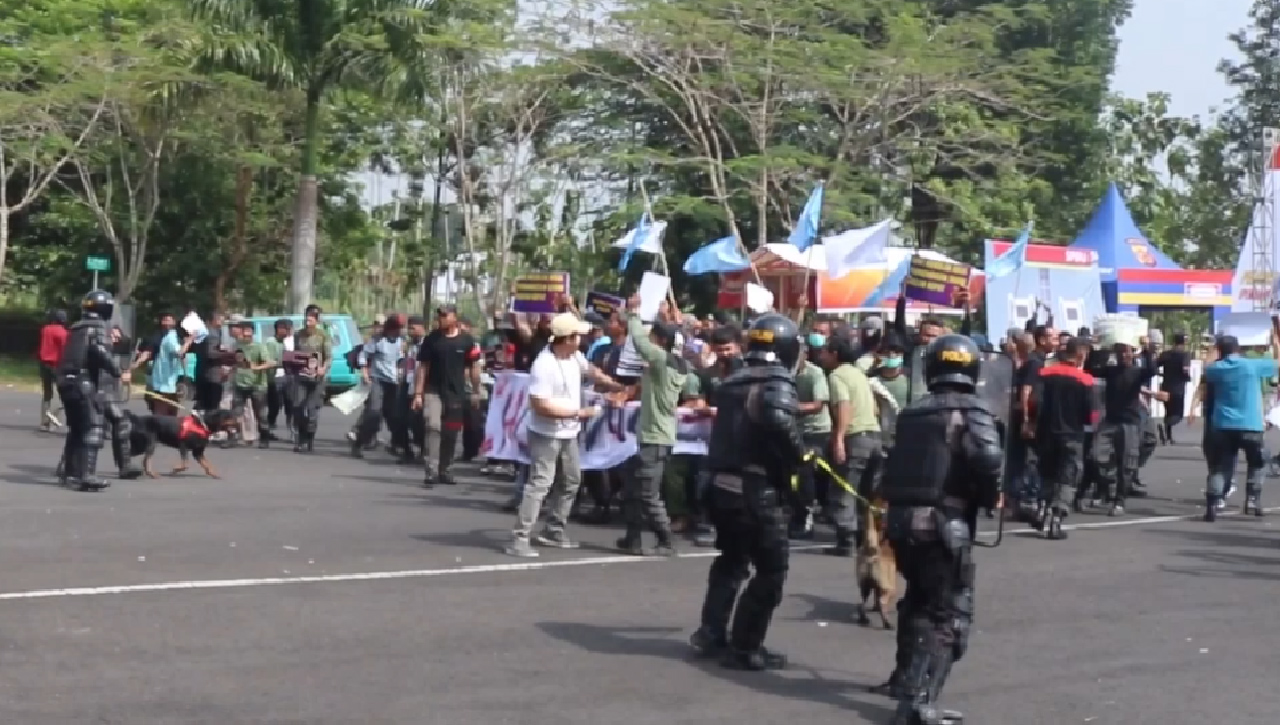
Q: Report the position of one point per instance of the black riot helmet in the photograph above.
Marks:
(97, 305)
(953, 361)
(773, 340)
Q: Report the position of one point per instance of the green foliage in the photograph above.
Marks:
(180, 138)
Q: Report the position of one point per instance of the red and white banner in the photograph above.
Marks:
(605, 441)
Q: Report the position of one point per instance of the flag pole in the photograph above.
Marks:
(808, 261)
(661, 260)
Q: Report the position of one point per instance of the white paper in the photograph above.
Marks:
(653, 290)
(195, 327)
(352, 400)
(1250, 328)
(759, 299)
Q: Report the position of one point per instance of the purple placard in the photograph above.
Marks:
(540, 293)
(603, 303)
(936, 282)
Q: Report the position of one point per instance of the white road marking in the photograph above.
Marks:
(493, 568)
(358, 577)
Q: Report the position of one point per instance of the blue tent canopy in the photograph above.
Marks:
(1117, 241)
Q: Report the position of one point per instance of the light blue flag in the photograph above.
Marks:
(638, 238)
(720, 256)
(1013, 258)
(806, 231)
(891, 284)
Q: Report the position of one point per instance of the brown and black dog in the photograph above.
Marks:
(186, 433)
(877, 569)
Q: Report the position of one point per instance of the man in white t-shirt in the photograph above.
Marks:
(555, 418)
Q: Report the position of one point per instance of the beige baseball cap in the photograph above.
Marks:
(566, 324)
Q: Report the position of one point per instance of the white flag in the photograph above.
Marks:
(759, 299)
(652, 243)
(856, 248)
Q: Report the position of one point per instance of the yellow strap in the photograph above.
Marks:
(840, 481)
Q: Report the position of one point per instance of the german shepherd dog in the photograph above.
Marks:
(877, 570)
(186, 433)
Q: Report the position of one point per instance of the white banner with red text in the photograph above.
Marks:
(605, 441)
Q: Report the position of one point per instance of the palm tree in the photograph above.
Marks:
(317, 47)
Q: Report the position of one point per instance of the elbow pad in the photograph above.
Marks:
(778, 413)
(983, 447)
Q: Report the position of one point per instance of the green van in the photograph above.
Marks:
(342, 329)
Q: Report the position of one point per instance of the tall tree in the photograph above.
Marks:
(317, 47)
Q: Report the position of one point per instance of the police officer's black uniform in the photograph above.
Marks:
(87, 365)
(755, 448)
(945, 468)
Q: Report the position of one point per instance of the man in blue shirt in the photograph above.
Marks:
(379, 361)
(1236, 421)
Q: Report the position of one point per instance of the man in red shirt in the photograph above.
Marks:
(1060, 416)
(53, 337)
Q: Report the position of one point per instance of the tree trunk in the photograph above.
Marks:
(239, 239)
(4, 238)
(304, 213)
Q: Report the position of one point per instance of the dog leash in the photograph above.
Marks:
(189, 411)
(822, 465)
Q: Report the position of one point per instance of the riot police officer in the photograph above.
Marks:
(87, 366)
(755, 448)
(114, 397)
(944, 469)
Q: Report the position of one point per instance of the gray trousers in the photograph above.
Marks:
(1115, 448)
(642, 492)
(862, 453)
(548, 456)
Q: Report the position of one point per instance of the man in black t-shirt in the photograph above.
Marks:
(447, 358)
(1175, 373)
(1116, 442)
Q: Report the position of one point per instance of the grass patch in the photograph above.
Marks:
(19, 372)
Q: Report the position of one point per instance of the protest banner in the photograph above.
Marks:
(603, 303)
(540, 293)
(936, 281)
(604, 442)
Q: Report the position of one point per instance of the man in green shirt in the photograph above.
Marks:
(249, 382)
(315, 344)
(815, 426)
(660, 385)
(890, 375)
(855, 441)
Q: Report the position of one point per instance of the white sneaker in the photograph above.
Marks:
(1230, 490)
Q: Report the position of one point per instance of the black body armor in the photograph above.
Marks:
(948, 446)
(757, 428)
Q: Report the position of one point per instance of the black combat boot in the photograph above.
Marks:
(89, 480)
(632, 543)
(756, 660)
(1210, 508)
(706, 643)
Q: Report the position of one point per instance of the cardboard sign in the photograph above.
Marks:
(936, 282)
(603, 304)
(540, 293)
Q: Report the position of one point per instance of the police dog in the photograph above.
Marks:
(188, 434)
(877, 570)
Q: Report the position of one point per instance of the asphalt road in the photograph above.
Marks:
(328, 590)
